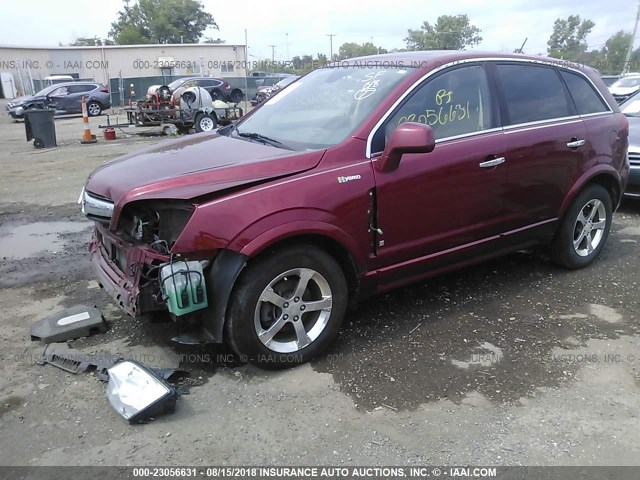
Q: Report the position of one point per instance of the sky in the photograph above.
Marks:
(299, 28)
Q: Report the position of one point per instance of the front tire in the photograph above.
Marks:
(286, 307)
(584, 229)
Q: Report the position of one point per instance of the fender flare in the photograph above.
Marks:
(584, 179)
(298, 228)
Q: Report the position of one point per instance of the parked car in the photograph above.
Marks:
(217, 88)
(64, 98)
(625, 87)
(610, 79)
(363, 178)
(631, 109)
(265, 92)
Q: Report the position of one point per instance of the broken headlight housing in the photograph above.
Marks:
(138, 394)
(156, 223)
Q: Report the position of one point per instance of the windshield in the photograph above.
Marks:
(322, 108)
(627, 82)
(286, 81)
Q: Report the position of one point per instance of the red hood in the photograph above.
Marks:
(193, 166)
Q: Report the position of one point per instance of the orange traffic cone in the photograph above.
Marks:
(86, 137)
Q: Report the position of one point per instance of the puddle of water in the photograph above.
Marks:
(26, 241)
(485, 355)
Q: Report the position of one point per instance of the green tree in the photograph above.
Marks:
(160, 21)
(351, 50)
(568, 39)
(450, 32)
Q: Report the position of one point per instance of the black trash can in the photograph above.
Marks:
(40, 127)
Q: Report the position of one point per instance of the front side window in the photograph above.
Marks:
(324, 107)
(532, 93)
(453, 103)
(583, 94)
(59, 92)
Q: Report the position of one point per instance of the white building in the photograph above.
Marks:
(29, 66)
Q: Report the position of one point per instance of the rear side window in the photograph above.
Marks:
(532, 93)
(80, 88)
(584, 96)
(453, 103)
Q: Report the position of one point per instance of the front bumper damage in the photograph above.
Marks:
(127, 272)
(120, 268)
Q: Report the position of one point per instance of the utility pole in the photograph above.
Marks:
(286, 35)
(331, 35)
(633, 37)
(273, 53)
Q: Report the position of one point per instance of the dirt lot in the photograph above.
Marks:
(515, 362)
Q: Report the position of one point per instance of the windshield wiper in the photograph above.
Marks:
(264, 139)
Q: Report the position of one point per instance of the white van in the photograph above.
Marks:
(53, 79)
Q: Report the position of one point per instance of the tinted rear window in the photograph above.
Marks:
(532, 93)
(584, 96)
(80, 88)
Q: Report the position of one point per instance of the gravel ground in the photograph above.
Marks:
(514, 362)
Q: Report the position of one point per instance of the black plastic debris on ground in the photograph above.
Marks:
(73, 361)
(74, 322)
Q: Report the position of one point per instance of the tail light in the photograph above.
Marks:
(104, 89)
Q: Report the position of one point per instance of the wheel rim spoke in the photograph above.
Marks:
(273, 298)
(305, 276)
(324, 304)
(594, 209)
(589, 243)
(267, 335)
(599, 225)
(576, 243)
(302, 339)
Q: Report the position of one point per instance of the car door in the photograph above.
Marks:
(56, 98)
(546, 142)
(436, 203)
(73, 102)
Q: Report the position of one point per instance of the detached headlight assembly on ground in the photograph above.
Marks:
(138, 394)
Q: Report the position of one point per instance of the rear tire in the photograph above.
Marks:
(584, 229)
(286, 307)
(94, 109)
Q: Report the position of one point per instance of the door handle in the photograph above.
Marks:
(493, 162)
(575, 143)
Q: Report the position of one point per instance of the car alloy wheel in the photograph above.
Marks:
(287, 306)
(583, 232)
(94, 109)
(293, 310)
(589, 228)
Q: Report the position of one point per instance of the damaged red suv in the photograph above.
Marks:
(357, 179)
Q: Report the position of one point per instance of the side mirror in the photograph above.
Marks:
(409, 137)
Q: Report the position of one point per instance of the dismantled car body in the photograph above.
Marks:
(353, 181)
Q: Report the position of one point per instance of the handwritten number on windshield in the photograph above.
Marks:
(370, 86)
